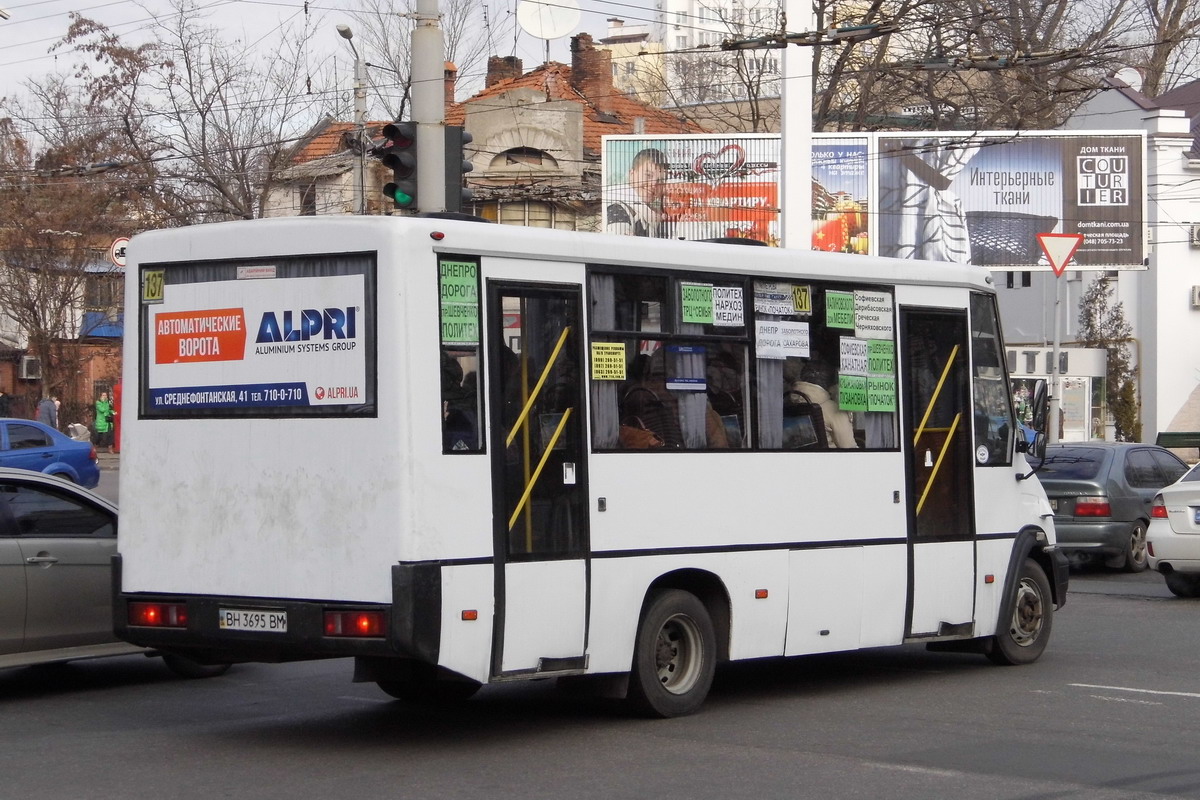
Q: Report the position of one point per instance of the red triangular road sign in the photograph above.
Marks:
(1059, 247)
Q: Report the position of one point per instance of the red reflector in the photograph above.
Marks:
(760, 594)
(1092, 507)
(1150, 547)
(354, 623)
(158, 615)
(437, 236)
(1158, 510)
(470, 615)
(989, 578)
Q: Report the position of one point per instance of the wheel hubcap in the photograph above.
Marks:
(1027, 614)
(678, 654)
(1137, 545)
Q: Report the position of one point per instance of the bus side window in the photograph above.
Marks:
(461, 398)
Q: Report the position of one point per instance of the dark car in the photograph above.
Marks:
(1101, 493)
(25, 444)
(56, 548)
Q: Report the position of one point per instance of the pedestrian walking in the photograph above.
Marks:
(47, 412)
(104, 422)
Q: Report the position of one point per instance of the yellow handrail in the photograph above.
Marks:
(562, 423)
(537, 387)
(936, 392)
(938, 464)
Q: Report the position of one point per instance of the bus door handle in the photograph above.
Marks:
(568, 473)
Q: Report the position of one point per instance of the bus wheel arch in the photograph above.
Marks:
(710, 590)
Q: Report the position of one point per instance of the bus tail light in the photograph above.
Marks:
(1159, 509)
(355, 623)
(1092, 507)
(158, 615)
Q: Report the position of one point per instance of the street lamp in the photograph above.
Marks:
(360, 118)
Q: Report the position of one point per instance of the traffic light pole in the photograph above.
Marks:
(429, 106)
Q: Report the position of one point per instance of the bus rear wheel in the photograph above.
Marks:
(1029, 613)
(675, 655)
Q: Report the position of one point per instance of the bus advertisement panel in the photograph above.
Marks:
(267, 340)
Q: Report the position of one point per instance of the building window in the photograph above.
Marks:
(308, 200)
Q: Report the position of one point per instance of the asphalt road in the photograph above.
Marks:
(1111, 711)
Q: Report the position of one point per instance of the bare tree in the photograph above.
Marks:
(1170, 27)
(214, 121)
(53, 220)
(385, 29)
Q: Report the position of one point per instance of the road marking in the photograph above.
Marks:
(1131, 689)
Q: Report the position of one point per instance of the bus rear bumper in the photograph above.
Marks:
(407, 628)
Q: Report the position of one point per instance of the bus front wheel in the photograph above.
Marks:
(1025, 627)
(675, 655)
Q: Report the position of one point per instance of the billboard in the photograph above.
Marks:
(692, 187)
(983, 199)
(978, 198)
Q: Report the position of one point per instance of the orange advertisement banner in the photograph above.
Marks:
(195, 336)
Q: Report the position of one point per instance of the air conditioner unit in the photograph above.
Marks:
(31, 368)
(1196, 297)
(1194, 236)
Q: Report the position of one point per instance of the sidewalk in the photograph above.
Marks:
(108, 460)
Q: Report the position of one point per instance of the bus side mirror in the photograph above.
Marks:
(1041, 407)
(1035, 449)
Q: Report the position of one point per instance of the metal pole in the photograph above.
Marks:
(1053, 429)
(360, 118)
(429, 106)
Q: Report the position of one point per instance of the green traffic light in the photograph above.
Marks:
(399, 196)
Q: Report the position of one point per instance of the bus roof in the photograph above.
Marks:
(296, 235)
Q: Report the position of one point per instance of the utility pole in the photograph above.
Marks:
(429, 106)
(360, 119)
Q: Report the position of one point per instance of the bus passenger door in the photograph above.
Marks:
(941, 541)
(539, 475)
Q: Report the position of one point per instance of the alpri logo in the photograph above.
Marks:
(308, 323)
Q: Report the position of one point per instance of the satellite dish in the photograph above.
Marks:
(548, 20)
(1131, 77)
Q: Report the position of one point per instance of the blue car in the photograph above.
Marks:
(25, 444)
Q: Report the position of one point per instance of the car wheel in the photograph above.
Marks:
(185, 667)
(1183, 585)
(675, 656)
(1028, 617)
(1135, 554)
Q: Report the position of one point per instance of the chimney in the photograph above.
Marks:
(591, 72)
(501, 68)
(449, 79)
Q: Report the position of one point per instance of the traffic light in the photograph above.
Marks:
(457, 165)
(400, 156)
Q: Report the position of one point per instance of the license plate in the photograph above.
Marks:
(251, 619)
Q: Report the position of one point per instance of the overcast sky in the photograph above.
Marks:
(35, 25)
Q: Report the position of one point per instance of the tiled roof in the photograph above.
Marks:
(554, 79)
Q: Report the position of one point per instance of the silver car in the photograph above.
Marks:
(56, 546)
(1101, 494)
(1173, 539)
